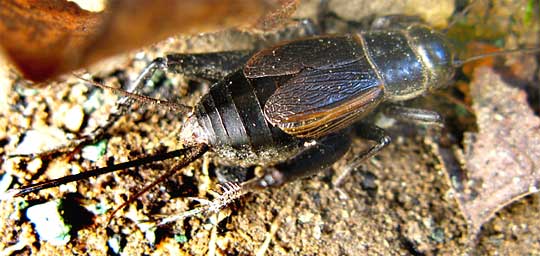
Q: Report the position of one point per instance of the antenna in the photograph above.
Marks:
(189, 153)
(459, 63)
(183, 109)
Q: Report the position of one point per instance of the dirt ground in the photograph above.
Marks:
(399, 202)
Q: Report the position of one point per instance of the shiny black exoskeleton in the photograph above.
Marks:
(288, 107)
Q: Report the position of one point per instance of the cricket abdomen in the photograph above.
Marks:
(231, 119)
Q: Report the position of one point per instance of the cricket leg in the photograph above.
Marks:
(317, 156)
(368, 132)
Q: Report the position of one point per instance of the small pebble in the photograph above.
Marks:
(72, 117)
(49, 223)
(114, 244)
(5, 182)
(438, 235)
(34, 165)
(305, 217)
(180, 238)
(95, 100)
(36, 141)
(94, 152)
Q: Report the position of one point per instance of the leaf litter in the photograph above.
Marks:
(502, 160)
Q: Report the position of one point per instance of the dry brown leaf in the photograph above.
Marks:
(47, 38)
(503, 159)
(41, 37)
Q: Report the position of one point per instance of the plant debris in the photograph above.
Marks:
(45, 39)
(503, 159)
